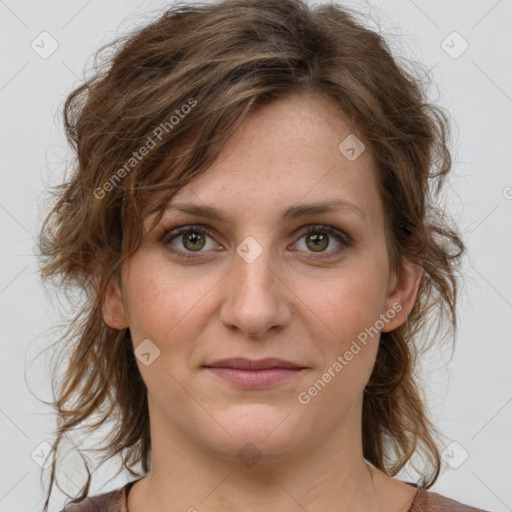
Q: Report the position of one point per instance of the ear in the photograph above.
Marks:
(113, 306)
(403, 292)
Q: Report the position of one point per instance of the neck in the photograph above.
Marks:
(332, 475)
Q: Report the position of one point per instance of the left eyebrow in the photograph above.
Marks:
(293, 212)
(302, 210)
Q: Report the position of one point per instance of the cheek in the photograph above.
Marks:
(349, 308)
(347, 303)
(166, 304)
(168, 307)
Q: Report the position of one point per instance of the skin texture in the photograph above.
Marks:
(284, 304)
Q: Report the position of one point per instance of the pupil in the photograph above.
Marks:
(192, 238)
(318, 239)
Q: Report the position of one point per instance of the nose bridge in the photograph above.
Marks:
(252, 268)
(254, 301)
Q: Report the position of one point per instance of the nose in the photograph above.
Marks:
(256, 297)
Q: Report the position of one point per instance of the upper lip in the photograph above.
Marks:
(253, 364)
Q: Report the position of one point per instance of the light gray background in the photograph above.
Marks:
(470, 396)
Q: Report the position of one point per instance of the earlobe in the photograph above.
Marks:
(404, 294)
(113, 306)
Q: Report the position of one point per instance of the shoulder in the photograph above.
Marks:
(429, 501)
(113, 501)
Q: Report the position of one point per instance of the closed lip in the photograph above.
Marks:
(243, 363)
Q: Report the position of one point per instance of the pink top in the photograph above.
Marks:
(116, 501)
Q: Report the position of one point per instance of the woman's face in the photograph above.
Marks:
(256, 285)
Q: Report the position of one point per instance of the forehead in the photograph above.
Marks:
(287, 153)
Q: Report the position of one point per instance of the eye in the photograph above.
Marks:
(187, 240)
(191, 238)
(318, 238)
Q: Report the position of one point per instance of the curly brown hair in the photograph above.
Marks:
(179, 87)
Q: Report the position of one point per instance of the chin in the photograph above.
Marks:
(258, 431)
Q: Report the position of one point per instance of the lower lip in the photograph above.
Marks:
(264, 378)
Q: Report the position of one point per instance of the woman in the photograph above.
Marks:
(250, 221)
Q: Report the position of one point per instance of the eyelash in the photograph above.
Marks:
(343, 238)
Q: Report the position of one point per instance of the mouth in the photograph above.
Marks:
(250, 374)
